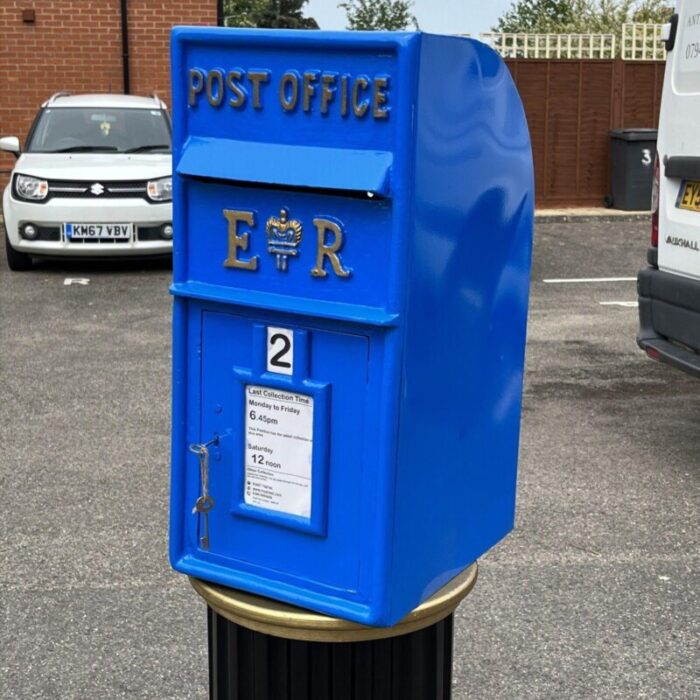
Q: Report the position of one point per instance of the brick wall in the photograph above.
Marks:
(76, 45)
(149, 39)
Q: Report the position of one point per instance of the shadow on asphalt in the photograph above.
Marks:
(101, 266)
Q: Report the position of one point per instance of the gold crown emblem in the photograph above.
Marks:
(283, 238)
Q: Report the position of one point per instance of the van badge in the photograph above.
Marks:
(97, 189)
(283, 238)
(682, 243)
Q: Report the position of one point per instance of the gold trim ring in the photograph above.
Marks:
(290, 622)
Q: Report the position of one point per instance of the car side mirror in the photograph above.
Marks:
(11, 145)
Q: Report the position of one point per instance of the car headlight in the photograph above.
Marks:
(160, 190)
(28, 187)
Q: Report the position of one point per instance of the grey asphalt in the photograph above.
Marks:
(595, 594)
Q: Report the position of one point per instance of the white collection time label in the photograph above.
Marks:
(279, 445)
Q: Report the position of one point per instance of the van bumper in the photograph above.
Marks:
(669, 314)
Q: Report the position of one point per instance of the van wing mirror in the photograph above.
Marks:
(668, 32)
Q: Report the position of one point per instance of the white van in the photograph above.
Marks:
(669, 289)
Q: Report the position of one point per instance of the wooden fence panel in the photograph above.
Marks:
(571, 105)
(641, 93)
(532, 83)
(562, 131)
(594, 124)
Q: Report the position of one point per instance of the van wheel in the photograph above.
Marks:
(16, 260)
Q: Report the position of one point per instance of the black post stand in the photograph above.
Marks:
(260, 649)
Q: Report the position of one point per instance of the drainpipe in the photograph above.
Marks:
(219, 13)
(125, 46)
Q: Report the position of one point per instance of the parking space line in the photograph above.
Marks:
(626, 304)
(579, 280)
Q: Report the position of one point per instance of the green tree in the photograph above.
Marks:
(652, 11)
(536, 16)
(282, 14)
(243, 13)
(580, 16)
(389, 15)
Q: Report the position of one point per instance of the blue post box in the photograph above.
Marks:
(353, 226)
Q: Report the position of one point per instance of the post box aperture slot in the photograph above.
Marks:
(326, 191)
(345, 170)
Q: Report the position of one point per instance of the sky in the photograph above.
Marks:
(436, 16)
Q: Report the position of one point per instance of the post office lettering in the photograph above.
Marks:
(310, 91)
(233, 82)
(215, 87)
(196, 83)
(310, 77)
(359, 105)
(257, 78)
(327, 90)
(289, 90)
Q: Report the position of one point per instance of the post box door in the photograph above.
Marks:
(288, 477)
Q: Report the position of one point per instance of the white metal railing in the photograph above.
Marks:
(551, 45)
(642, 42)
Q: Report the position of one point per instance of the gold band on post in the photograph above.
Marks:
(281, 620)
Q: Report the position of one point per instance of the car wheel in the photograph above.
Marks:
(16, 260)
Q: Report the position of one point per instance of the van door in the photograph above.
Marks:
(679, 149)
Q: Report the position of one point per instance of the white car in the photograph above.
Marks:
(669, 288)
(95, 178)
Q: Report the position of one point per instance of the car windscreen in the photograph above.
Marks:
(99, 129)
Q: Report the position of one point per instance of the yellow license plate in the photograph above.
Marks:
(689, 196)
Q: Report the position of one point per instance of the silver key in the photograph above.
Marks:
(203, 505)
